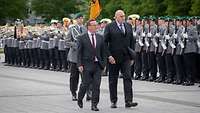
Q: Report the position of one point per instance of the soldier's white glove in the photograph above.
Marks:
(149, 35)
(182, 45)
(185, 35)
(198, 43)
(134, 34)
(172, 45)
(146, 42)
(163, 45)
(157, 34)
(175, 36)
(143, 34)
(154, 42)
(140, 43)
(167, 37)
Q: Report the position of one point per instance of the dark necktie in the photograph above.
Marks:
(121, 28)
(93, 43)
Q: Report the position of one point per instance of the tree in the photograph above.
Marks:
(56, 9)
(12, 9)
(152, 7)
(178, 7)
(195, 8)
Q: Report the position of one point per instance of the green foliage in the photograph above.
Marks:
(178, 7)
(195, 9)
(57, 9)
(12, 9)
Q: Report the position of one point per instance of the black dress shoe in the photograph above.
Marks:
(188, 83)
(74, 98)
(137, 77)
(178, 82)
(131, 104)
(94, 108)
(80, 103)
(144, 78)
(151, 79)
(113, 105)
(169, 80)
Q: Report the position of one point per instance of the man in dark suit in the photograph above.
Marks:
(118, 38)
(91, 62)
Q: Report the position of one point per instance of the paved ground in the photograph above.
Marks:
(24, 90)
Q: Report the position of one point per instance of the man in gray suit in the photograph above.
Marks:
(91, 62)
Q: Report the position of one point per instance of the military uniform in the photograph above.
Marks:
(160, 55)
(138, 48)
(190, 52)
(178, 58)
(74, 31)
(145, 54)
(44, 51)
(9, 49)
(153, 50)
(21, 52)
(169, 56)
(52, 59)
(29, 51)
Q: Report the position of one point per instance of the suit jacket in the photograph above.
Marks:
(86, 52)
(117, 42)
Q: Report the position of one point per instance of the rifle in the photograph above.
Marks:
(171, 42)
(164, 40)
(154, 39)
(183, 40)
(141, 37)
(148, 37)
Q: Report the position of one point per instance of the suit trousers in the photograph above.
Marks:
(153, 65)
(114, 69)
(190, 65)
(138, 64)
(171, 72)
(6, 53)
(180, 69)
(91, 76)
(161, 66)
(145, 64)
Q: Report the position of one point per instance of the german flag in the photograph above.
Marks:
(95, 9)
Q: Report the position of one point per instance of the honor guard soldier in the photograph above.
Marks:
(153, 49)
(161, 49)
(132, 20)
(168, 54)
(145, 51)
(190, 51)
(29, 49)
(44, 51)
(75, 30)
(178, 56)
(138, 34)
(103, 23)
(34, 50)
